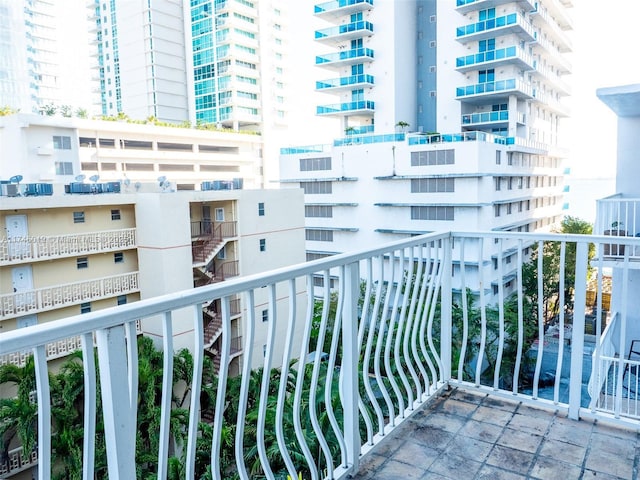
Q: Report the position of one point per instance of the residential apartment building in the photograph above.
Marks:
(459, 129)
(71, 253)
(205, 62)
(57, 149)
(44, 53)
(618, 215)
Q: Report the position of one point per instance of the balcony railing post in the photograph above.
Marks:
(119, 429)
(577, 335)
(350, 365)
(446, 309)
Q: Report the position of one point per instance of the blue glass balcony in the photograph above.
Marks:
(345, 82)
(464, 6)
(511, 54)
(363, 106)
(485, 117)
(342, 7)
(345, 32)
(512, 23)
(499, 87)
(366, 139)
(347, 57)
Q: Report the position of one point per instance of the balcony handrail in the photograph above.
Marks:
(54, 246)
(398, 341)
(60, 295)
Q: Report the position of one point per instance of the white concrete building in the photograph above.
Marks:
(64, 254)
(57, 149)
(482, 102)
(619, 215)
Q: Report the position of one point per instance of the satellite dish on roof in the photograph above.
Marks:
(80, 178)
(94, 178)
(127, 182)
(138, 185)
(16, 179)
(162, 179)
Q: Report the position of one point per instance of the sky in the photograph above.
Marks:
(605, 55)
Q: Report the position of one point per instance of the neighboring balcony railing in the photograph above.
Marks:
(464, 6)
(346, 57)
(349, 81)
(618, 216)
(345, 6)
(47, 247)
(58, 296)
(485, 117)
(496, 87)
(348, 30)
(367, 106)
(509, 54)
(487, 28)
(340, 368)
(17, 461)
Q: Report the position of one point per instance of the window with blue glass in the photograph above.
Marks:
(357, 17)
(357, 43)
(357, 69)
(487, 14)
(357, 95)
(487, 45)
(499, 107)
(485, 76)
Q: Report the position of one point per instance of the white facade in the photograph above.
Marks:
(57, 149)
(619, 214)
(135, 246)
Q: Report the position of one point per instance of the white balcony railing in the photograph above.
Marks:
(47, 247)
(395, 332)
(58, 296)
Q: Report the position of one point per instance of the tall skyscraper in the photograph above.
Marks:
(44, 55)
(452, 116)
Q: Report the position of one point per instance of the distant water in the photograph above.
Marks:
(583, 193)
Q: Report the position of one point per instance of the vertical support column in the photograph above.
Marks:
(350, 365)
(577, 335)
(119, 430)
(44, 412)
(445, 308)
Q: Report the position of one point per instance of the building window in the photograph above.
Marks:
(495, 263)
(263, 244)
(498, 157)
(219, 214)
(432, 185)
(486, 76)
(261, 209)
(222, 254)
(265, 315)
(82, 262)
(432, 157)
(432, 213)
(64, 168)
(323, 211)
(508, 209)
(122, 299)
(118, 257)
(115, 215)
(495, 289)
(498, 182)
(322, 187)
(319, 235)
(496, 210)
(315, 164)
(61, 142)
(85, 307)
(78, 217)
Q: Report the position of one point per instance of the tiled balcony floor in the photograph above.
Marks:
(465, 436)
